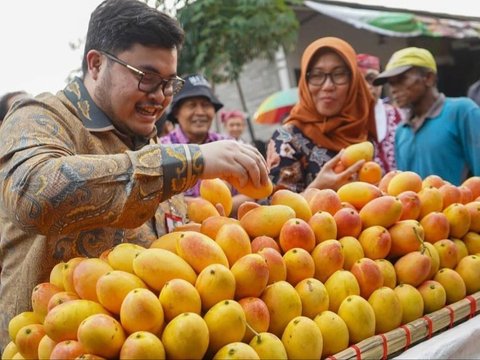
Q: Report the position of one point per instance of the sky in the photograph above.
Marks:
(35, 35)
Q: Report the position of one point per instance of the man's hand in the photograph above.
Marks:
(227, 159)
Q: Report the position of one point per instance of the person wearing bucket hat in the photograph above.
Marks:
(193, 110)
(440, 135)
(387, 116)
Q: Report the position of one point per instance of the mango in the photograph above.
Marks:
(302, 339)
(67, 273)
(56, 275)
(296, 233)
(122, 255)
(472, 242)
(283, 303)
(411, 205)
(359, 317)
(27, 340)
(413, 268)
(462, 249)
(469, 269)
(459, 219)
(404, 181)
(387, 308)
(142, 345)
(251, 275)
(383, 211)
(157, 266)
(352, 251)
(215, 283)
(251, 190)
(355, 152)
(328, 258)
(199, 251)
(432, 253)
(86, 275)
(447, 253)
(266, 220)
(62, 322)
(11, 349)
(376, 242)
(453, 284)
(41, 295)
(314, 296)
(45, 347)
(323, 225)
(348, 222)
(385, 180)
(141, 310)
(466, 195)
(179, 296)
(167, 241)
(234, 241)
(325, 200)
(358, 193)
(186, 337)
(299, 264)
(450, 194)
(217, 192)
(294, 200)
(433, 294)
(407, 236)
(236, 350)
(257, 315)
(474, 210)
(226, 324)
(102, 335)
(268, 346)
(277, 269)
(334, 332)
(369, 276)
(473, 183)
(435, 226)
(433, 181)
(411, 301)
(113, 286)
(340, 285)
(264, 241)
(245, 207)
(68, 349)
(60, 298)
(431, 200)
(388, 272)
(198, 209)
(370, 172)
(211, 225)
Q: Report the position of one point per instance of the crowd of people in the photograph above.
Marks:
(115, 155)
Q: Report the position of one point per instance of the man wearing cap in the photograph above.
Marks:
(441, 135)
(194, 109)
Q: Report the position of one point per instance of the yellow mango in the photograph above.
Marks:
(358, 193)
(302, 339)
(266, 220)
(355, 152)
(217, 192)
(359, 317)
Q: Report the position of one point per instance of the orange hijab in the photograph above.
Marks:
(356, 119)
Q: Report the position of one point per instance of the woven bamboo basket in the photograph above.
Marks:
(400, 339)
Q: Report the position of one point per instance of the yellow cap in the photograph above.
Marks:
(405, 59)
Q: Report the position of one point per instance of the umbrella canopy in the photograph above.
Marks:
(276, 107)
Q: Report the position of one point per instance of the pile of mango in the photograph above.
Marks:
(303, 277)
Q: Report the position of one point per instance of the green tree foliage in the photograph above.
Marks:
(224, 35)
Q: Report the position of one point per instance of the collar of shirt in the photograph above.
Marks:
(93, 118)
(416, 122)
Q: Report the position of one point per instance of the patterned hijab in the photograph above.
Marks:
(354, 122)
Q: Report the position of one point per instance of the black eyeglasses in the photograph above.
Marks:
(338, 77)
(150, 82)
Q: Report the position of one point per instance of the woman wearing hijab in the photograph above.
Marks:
(335, 109)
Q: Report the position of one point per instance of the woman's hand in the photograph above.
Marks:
(328, 178)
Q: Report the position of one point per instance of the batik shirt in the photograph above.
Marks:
(293, 158)
(72, 185)
(177, 136)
